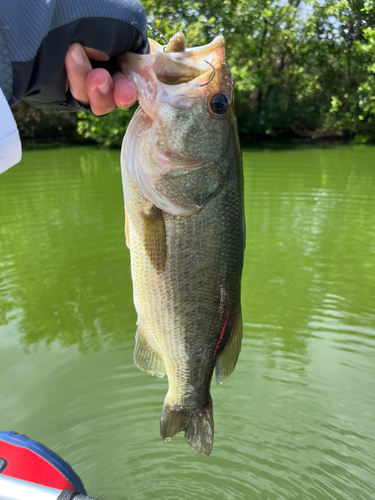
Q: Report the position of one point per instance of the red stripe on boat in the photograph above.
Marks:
(27, 465)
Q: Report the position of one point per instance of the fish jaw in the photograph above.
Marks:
(187, 73)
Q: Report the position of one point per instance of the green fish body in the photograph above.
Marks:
(183, 189)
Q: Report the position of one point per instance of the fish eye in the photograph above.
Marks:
(219, 104)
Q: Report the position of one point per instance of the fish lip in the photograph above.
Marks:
(199, 58)
(209, 48)
(201, 51)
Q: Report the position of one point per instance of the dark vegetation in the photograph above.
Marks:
(303, 70)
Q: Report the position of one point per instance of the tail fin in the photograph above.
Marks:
(198, 426)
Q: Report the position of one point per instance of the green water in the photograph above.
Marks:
(296, 420)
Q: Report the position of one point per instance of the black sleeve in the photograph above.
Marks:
(36, 56)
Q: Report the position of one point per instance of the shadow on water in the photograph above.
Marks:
(65, 267)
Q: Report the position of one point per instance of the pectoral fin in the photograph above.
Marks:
(145, 357)
(154, 237)
(227, 359)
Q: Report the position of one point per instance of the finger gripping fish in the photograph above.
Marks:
(184, 222)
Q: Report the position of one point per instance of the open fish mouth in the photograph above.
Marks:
(174, 64)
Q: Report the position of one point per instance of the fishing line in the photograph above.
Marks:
(157, 33)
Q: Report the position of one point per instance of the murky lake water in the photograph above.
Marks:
(296, 420)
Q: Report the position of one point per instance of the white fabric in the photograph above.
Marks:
(10, 144)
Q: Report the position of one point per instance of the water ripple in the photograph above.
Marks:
(296, 418)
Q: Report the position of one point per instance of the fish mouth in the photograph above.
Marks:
(197, 72)
(175, 68)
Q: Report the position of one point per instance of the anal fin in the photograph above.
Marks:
(227, 359)
(146, 358)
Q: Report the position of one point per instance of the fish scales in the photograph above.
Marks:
(185, 230)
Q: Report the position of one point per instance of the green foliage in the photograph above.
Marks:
(107, 131)
(302, 68)
(45, 126)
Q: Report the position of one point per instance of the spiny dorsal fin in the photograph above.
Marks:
(154, 237)
(145, 357)
(227, 359)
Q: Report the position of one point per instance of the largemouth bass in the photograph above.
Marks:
(184, 217)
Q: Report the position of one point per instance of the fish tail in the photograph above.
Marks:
(197, 424)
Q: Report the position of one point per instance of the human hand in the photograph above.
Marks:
(96, 87)
(39, 62)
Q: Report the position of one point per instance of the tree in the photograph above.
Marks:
(303, 68)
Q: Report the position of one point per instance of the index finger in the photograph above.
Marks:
(77, 67)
